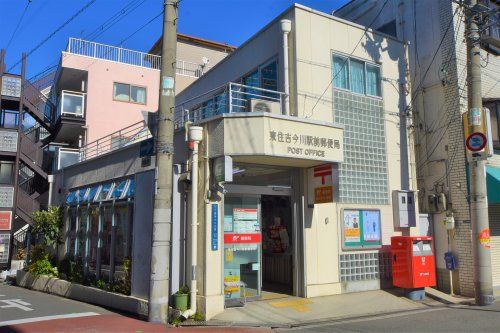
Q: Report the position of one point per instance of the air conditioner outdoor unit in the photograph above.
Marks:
(261, 105)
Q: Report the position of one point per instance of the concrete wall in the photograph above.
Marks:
(316, 36)
(103, 114)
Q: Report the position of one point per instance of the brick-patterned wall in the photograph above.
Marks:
(454, 58)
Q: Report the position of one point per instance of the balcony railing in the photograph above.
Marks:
(124, 137)
(130, 57)
(113, 53)
(230, 98)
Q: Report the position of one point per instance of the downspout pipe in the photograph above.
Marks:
(195, 137)
(286, 27)
(50, 180)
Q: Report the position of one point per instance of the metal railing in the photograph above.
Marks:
(44, 109)
(113, 53)
(230, 98)
(126, 136)
(130, 57)
(191, 69)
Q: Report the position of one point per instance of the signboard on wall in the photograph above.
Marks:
(5, 220)
(322, 184)
(361, 229)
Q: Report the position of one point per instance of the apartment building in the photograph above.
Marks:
(26, 124)
(101, 89)
(301, 156)
(435, 31)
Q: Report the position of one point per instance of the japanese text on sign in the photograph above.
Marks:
(307, 145)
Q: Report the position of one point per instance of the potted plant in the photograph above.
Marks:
(181, 298)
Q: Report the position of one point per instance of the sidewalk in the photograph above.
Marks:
(114, 324)
(294, 311)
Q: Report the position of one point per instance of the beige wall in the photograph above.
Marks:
(316, 37)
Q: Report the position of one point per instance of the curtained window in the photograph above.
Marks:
(340, 69)
(372, 80)
(357, 76)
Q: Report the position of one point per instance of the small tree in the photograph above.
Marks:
(49, 223)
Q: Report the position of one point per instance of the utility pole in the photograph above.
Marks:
(483, 286)
(162, 214)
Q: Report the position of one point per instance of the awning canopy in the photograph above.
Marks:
(493, 184)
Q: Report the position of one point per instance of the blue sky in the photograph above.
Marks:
(231, 21)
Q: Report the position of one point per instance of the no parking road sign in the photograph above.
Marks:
(476, 141)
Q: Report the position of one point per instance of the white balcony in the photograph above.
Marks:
(71, 104)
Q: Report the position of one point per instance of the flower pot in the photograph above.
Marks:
(181, 301)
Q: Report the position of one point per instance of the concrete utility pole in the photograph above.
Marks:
(483, 285)
(162, 214)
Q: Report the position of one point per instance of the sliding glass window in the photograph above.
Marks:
(357, 76)
(340, 68)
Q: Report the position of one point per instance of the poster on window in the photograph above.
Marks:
(351, 226)
(361, 229)
(245, 220)
(5, 220)
(232, 283)
(371, 225)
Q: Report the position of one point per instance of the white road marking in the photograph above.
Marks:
(35, 319)
(16, 303)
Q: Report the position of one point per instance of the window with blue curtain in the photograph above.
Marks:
(340, 68)
(373, 80)
(357, 76)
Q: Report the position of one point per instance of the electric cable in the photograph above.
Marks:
(53, 33)
(17, 25)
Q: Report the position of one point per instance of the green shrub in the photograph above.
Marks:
(49, 223)
(43, 267)
(183, 290)
(101, 284)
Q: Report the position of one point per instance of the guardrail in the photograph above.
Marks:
(113, 53)
(126, 136)
(229, 98)
(130, 57)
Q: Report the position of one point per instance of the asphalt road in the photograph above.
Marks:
(19, 305)
(439, 318)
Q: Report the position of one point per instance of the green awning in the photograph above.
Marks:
(493, 184)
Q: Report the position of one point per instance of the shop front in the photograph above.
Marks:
(259, 231)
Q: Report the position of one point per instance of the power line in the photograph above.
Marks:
(347, 58)
(75, 15)
(17, 26)
(106, 25)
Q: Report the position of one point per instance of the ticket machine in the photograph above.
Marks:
(413, 263)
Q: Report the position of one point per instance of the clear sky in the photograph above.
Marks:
(230, 21)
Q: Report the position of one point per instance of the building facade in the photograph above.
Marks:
(302, 164)
(438, 67)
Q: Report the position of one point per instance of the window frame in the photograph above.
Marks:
(130, 85)
(348, 65)
(12, 172)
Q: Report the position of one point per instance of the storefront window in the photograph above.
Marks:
(123, 236)
(94, 234)
(106, 235)
(71, 231)
(82, 233)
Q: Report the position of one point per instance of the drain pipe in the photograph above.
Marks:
(195, 136)
(286, 27)
(50, 179)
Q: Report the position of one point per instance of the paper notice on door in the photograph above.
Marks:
(245, 220)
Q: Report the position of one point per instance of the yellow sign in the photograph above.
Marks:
(323, 194)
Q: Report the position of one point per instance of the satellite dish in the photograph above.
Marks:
(205, 61)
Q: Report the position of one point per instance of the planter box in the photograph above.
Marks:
(82, 293)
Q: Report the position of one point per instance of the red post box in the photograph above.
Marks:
(413, 264)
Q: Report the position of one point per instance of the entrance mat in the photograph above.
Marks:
(297, 304)
(267, 295)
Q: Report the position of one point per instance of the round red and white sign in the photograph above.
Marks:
(476, 141)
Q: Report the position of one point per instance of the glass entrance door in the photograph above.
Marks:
(242, 248)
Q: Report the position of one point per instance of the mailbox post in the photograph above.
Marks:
(413, 264)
